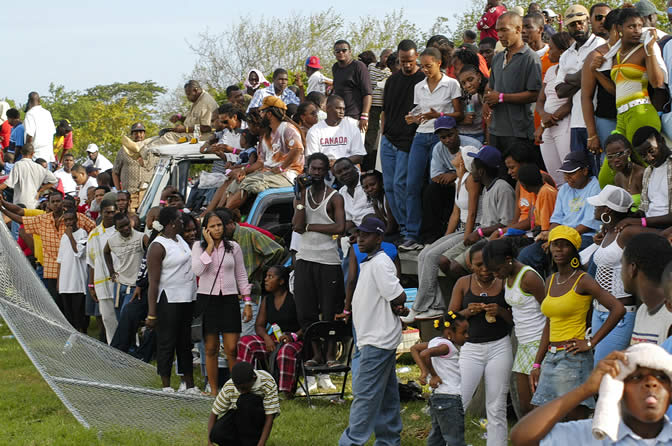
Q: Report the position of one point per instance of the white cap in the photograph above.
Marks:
(550, 13)
(91, 148)
(615, 198)
(468, 160)
(518, 10)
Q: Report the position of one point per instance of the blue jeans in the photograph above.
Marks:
(579, 142)
(395, 170)
(447, 420)
(535, 256)
(616, 339)
(354, 363)
(418, 162)
(376, 407)
(15, 230)
(125, 294)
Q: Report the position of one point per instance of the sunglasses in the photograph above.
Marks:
(341, 50)
(600, 17)
(613, 156)
(578, 14)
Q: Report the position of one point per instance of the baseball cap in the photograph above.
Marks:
(242, 373)
(550, 13)
(575, 13)
(65, 124)
(90, 169)
(444, 122)
(615, 198)
(92, 148)
(468, 160)
(272, 101)
(313, 62)
(573, 162)
(566, 233)
(518, 10)
(488, 155)
(372, 225)
(137, 127)
(645, 8)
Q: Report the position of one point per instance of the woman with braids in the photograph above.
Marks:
(628, 174)
(218, 263)
(479, 297)
(280, 155)
(473, 83)
(172, 290)
(565, 358)
(524, 291)
(306, 117)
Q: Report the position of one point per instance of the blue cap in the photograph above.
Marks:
(444, 122)
(488, 155)
(513, 232)
(372, 225)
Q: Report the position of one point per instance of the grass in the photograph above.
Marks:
(31, 414)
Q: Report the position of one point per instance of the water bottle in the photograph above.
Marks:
(8, 337)
(276, 331)
(197, 134)
(470, 108)
(69, 343)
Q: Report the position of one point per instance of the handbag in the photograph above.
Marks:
(201, 304)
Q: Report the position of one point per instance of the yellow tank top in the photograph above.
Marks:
(566, 313)
(631, 80)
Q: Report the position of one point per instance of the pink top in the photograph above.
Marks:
(232, 277)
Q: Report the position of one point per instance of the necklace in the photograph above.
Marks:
(484, 290)
(310, 196)
(632, 171)
(557, 280)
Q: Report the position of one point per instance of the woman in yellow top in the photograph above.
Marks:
(565, 350)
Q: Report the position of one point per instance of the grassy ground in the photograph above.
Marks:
(31, 414)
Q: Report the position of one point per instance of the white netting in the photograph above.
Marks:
(102, 387)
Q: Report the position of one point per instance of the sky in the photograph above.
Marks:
(80, 44)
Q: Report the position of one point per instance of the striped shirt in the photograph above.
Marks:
(377, 75)
(264, 386)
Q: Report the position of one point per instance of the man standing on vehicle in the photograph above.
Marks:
(134, 174)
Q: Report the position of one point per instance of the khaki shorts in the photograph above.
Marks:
(258, 182)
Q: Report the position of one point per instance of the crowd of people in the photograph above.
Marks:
(528, 170)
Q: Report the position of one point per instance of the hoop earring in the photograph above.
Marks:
(603, 219)
(575, 263)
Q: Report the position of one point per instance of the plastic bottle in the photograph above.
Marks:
(276, 331)
(196, 135)
(8, 337)
(69, 343)
(470, 108)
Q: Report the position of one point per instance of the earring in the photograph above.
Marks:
(604, 220)
(620, 34)
(510, 263)
(575, 263)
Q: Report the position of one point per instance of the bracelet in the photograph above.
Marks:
(162, 201)
(441, 115)
(500, 231)
(347, 312)
(151, 318)
(91, 285)
(294, 336)
(281, 169)
(536, 365)
(364, 114)
(480, 232)
(501, 97)
(364, 118)
(643, 222)
(234, 151)
(307, 224)
(592, 137)
(247, 298)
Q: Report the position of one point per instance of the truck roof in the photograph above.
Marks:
(183, 151)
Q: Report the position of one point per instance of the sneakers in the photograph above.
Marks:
(193, 391)
(168, 390)
(410, 317)
(207, 388)
(312, 386)
(183, 386)
(429, 314)
(324, 382)
(410, 245)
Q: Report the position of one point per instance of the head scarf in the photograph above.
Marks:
(4, 106)
(262, 80)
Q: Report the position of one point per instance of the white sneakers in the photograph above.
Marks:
(322, 381)
(423, 315)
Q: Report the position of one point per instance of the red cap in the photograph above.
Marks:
(313, 62)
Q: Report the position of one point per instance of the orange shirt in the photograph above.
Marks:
(542, 205)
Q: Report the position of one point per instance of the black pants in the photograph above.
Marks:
(241, 426)
(318, 289)
(437, 205)
(173, 336)
(505, 143)
(73, 310)
(129, 321)
(52, 287)
(370, 138)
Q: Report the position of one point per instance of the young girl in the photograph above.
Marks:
(72, 270)
(372, 184)
(473, 84)
(440, 359)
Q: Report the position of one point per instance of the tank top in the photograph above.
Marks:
(177, 278)
(606, 102)
(315, 246)
(566, 313)
(608, 262)
(462, 199)
(286, 316)
(481, 330)
(528, 319)
(631, 80)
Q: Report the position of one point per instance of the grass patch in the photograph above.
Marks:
(31, 414)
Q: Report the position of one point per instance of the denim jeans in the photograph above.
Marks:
(418, 162)
(395, 170)
(15, 230)
(125, 295)
(354, 363)
(429, 293)
(616, 339)
(376, 407)
(447, 420)
(535, 256)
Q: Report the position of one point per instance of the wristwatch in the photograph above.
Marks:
(300, 207)
(589, 344)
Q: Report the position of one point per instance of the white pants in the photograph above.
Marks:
(109, 316)
(555, 148)
(494, 360)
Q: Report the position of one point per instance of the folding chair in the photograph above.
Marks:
(322, 333)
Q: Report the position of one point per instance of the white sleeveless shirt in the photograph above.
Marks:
(315, 246)
(177, 278)
(528, 319)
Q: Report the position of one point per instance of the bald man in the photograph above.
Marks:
(515, 81)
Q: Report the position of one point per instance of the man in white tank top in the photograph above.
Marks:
(318, 279)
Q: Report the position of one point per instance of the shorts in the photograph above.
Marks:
(258, 182)
(525, 356)
(562, 372)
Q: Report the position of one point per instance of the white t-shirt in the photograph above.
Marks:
(69, 185)
(101, 163)
(26, 178)
(342, 140)
(126, 256)
(375, 323)
(447, 367)
(39, 124)
(440, 99)
(91, 182)
(652, 328)
(658, 190)
(316, 82)
(73, 275)
(357, 206)
(542, 51)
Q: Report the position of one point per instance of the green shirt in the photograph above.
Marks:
(259, 253)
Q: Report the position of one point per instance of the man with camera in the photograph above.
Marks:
(320, 218)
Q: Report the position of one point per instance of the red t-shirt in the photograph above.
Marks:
(5, 132)
(488, 21)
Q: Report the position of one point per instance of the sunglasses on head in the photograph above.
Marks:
(578, 14)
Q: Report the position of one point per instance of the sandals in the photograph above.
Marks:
(333, 363)
(311, 363)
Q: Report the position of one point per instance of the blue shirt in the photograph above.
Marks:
(388, 248)
(442, 158)
(287, 96)
(667, 345)
(572, 208)
(580, 433)
(18, 135)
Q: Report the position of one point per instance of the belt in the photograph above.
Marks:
(558, 348)
(625, 107)
(599, 307)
